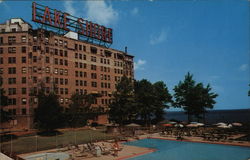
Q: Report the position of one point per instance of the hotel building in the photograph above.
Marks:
(29, 57)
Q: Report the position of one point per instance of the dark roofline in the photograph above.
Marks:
(61, 35)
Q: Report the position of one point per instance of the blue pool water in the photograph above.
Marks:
(177, 150)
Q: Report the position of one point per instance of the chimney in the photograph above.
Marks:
(126, 49)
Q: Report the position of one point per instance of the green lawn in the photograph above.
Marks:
(33, 143)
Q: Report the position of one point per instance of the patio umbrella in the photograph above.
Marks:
(237, 124)
(192, 125)
(200, 124)
(167, 125)
(172, 122)
(179, 125)
(221, 124)
(193, 122)
(224, 126)
(133, 125)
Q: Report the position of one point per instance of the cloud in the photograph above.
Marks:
(68, 5)
(1, 1)
(159, 37)
(139, 64)
(243, 67)
(101, 12)
(134, 11)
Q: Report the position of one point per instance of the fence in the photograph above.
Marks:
(26, 144)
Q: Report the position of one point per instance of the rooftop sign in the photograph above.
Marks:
(64, 21)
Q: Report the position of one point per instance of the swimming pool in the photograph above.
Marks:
(180, 150)
(48, 156)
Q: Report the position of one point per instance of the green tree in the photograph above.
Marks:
(193, 98)
(207, 100)
(4, 115)
(122, 107)
(163, 99)
(48, 114)
(145, 100)
(80, 109)
(151, 100)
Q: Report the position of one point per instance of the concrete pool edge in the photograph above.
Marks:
(161, 138)
(194, 141)
(136, 155)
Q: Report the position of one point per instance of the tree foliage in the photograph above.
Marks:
(48, 114)
(80, 109)
(163, 99)
(122, 107)
(151, 100)
(4, 115)
(140, 100)
(193, 98)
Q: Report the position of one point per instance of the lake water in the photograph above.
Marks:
(229, 116)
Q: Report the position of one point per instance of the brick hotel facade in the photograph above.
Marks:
(29, 57)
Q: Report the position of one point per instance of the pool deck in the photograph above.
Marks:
(133, 151)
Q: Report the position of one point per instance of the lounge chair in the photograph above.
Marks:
(104, 149)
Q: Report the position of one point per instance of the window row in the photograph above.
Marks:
(12, 60)
(117, 78)
(118, 56)
(13, 111)
(57, 52)
(12, 39)
(61, 43)
(13, 91)
(81, 91)
(61, 81)
(105, 85)
(106, 101)
(118, 71)
(80, 65)
(104, 61)
(105, 93)
(80, 56)
(105, 77)
(12, 70)
(12, 50)
(60, 71)
(105, 69)
(118, 63)
(61, 62)
(80, 47)
(61, 91)
(64, 100)
(81, 83)
(80, 74)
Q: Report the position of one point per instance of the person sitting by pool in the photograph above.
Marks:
(116, 148)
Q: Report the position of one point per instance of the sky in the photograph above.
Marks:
(208, 38)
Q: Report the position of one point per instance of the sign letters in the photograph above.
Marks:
(52, 17)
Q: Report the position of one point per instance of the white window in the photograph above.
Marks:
(56, 71)
(24, 38)
(24, 69)
(24, 101)
(61, 100)
(47, 69)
